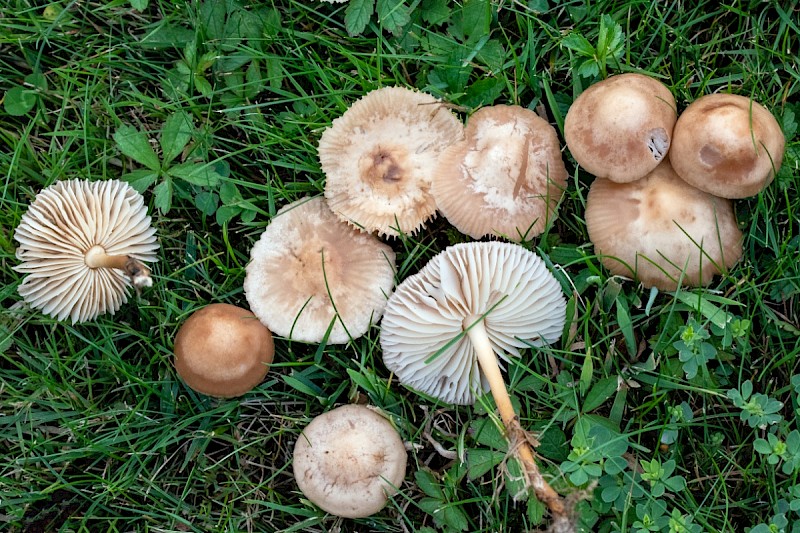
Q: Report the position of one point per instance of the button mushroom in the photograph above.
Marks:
(378, 159)
(223, 350)
(727, 145)
(621, 128)
(82, 245)
(310, 271)
(661, 230)
(445, 327)
(505, 178)
(349, 461)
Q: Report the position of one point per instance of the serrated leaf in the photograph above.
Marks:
(357, 15)
(588, 68)
(428, 484)
(579, 44)
(474, 20)
(482, 460)
(162, 196)
(393, 14)
(175, 135)
(140, 179)
(136, 145)
(435, 12)
(492, 55)
(553, 444)
(18, 101)
(201, 174)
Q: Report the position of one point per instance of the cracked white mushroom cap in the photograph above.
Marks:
(660, 230)
(621, 128)
(81, 244)
(349, 461)
(309, 268)
(379, 158)
(505, 178)
(521, 300)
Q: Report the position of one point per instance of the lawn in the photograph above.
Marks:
(659, 411)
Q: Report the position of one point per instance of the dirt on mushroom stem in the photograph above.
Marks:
(137, 272)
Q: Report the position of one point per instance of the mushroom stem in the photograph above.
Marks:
(487, 360)
(139, 274)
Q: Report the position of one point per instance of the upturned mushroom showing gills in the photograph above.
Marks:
(662, 231)
(505, 178)
(223, 350)
(82, 245)
(349, 461)
(621, 128)
(379, 156)
(445, 327)
(310, 271)
(727, 145)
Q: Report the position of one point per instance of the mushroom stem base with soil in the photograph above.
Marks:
(139, 274)
(516, 436)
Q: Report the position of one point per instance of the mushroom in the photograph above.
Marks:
(661, 230)
(505, 178)
(349, 461)
(379, 156)
(727, 145)
(310, 271)
(445, 327)
(223, 350)
(82, 244)
(620, 128)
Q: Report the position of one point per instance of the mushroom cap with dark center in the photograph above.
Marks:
(66, 223)
(309, 268)
(348, 461)
(522, 302)
(621, 128)
(660, 230)
(505, 178)
(727, 145)
(379, 157)
(223, 350)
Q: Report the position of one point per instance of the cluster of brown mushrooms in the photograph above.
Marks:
(660, 210)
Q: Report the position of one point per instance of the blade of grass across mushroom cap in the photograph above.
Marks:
(661, 230)
(505, 178)
(445, 326)
(310, 269)
(379, 156)
(82, 244)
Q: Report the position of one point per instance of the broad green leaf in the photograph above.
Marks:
(428, 484)
(212, 17)
(435, 12)
(553, 444)
(482, 460)
(140, 179)
(393, 14)
(717, 316)
(599, 393)
(139, 5)
(175, 135)
(486, 433)
(626, 326)
(18, 101)
(226, 212)
(37, 79)
(474, 20)
(201, 174)
(492, 55)
(357, 15)
(168, 36)
(302, 384)
(162, 196)
(229, 193)
(578, 43)
(136, 145)
(207, 202)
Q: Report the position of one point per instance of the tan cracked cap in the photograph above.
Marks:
(653, 228)
(521, 299)
(223, 350)
(727, 145)
(621, 128)
(82, 245)
(309, 268)
(349, 461)
(505, 178)
(379, 157)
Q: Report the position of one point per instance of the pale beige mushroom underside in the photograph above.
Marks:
(309, 269)
(379, 157)
(65, 221)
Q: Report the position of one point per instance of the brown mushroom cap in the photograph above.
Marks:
(505, 178)
(309, 269)
(728, 145)
(81, 246)
(660, 229)
(378, 159)
(223, 350)
(348, 461)
(621, 128)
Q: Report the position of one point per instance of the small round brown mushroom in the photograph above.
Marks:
(349, 461)
(621, 128)
(223, 350)
(378, 159)
(505, 178)
(661, 230)
(727, 145)
(82, 245)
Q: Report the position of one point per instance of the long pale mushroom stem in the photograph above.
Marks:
(490, 367)
(139, 274)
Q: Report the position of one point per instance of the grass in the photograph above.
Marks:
(99, 434)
